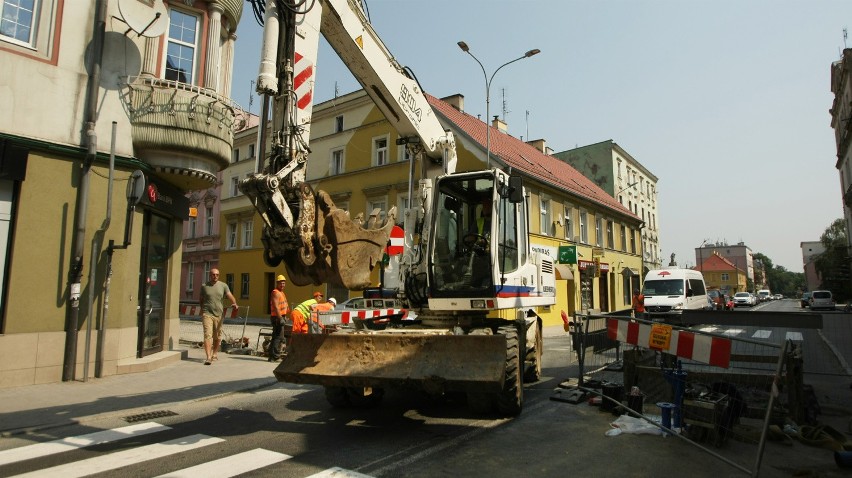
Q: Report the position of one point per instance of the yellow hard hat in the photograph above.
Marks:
(280, 278)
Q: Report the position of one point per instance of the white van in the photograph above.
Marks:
(668, 292)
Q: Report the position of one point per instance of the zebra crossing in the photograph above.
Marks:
(759, 334)
(225, 467)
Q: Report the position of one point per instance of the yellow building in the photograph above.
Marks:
(354, 157)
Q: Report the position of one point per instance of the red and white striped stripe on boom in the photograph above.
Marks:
(701, 348)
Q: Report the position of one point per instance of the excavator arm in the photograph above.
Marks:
(318, 242)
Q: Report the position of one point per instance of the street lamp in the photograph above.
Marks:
(625, 188)
(465, 49)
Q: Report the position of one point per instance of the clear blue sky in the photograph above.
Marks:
(725, 101)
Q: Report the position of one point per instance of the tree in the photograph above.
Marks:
(833, 264)
(779, 279)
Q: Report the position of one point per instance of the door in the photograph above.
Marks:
(156, 234)
(603, 287)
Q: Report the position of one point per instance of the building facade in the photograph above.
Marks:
(722, 274)
(738, 254)
(355, 159)
(618, 173)
(110, 117)
(841, 113)
(810, 251)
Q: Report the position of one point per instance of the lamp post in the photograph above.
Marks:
(465, 49)
(625, 188)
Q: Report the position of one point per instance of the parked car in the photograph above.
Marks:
(764, 295)
(778, 296)
(744, 298)
(822, 299)
(805, 299)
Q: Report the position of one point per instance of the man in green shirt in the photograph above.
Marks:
(212, 310)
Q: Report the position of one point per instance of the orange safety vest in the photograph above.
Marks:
(278, 301)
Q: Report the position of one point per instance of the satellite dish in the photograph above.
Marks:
(148, 18)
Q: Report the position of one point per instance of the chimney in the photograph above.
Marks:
(456, 101)
(499, 124)
(540, 145)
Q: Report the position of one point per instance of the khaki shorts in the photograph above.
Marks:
(212, 326)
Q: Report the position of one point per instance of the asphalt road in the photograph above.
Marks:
(289, 430)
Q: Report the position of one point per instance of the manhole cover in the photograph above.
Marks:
(148, 416)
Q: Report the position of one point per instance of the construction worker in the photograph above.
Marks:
(638, 304)
(303, 313)
(278, 310)
(323, 307)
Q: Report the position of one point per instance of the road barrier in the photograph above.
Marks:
(706, 384)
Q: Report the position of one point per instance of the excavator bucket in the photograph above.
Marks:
(435, 363)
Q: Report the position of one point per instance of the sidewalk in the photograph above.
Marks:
(56, 404)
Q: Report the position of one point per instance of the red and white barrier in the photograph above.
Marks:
(701, 348)
(195, 311)
(346, 317)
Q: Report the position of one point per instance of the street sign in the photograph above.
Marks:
(397, 240)
(567, 254)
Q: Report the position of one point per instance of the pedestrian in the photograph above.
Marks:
(303, 312)
(278, 310)
(638, 304)
(212, 313)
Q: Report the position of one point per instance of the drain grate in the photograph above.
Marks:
(148, 416)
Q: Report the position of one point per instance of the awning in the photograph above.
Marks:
(563, 271)
(628, 272)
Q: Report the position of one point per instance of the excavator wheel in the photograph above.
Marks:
(510, 401)
(337, 397)
(270, 259)
(532, 371)
(346, 397)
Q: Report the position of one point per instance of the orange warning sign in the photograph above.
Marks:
(661, 337)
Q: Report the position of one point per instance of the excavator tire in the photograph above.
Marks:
(532, 371)
(511, 399)
(365, 397)
(337, 397)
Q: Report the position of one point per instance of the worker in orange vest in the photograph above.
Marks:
(278, 310)
(638, 304)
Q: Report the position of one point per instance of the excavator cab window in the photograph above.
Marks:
(463, 239)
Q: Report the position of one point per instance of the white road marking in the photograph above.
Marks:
(761, 334)
(708, 328)
(232, 465)
(73, 443)
(795, 336)
(119, 459)
(338, 473)
(733, 332)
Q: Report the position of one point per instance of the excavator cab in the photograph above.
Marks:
(477, 236)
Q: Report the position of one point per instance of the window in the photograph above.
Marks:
(584, 234)
(236, 156)
(338, 124)
(598, 232)
(610, 238)
(229, 279)
(546, 221)
(337, 161)
(401, 206)
(190, 276)
(193, 224)
(244, 286)
(232, 235)
(381, 204)
(251, 151)
(248, 232)
(380, 151)
(569, 222)
(403, 153)
(725, 277)
(633, 242)
(18, 21)
(235, 186)
(623, 238)
(182, 47)
(208, 228)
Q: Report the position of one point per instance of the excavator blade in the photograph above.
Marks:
(435, 363)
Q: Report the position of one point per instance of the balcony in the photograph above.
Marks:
(186, 133)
